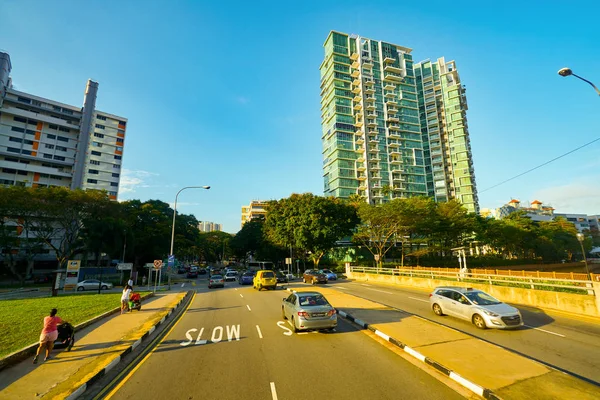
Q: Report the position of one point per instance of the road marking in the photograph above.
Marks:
(182, 284)
(302, 333)
(234, 288)
(381, 291)
(414, 298)
(273, 391)
(248, 307)
(543, 330)
(241, 295)
(364, 284)
(341, 287)
(287, 332)
(259, 332)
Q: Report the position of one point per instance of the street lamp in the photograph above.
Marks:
(174, 214)
(581, 237)
(567, 72)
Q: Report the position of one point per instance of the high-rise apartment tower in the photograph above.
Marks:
(47, 143)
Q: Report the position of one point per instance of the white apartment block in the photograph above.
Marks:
(47, 143)
(255, 209)
(206, 226)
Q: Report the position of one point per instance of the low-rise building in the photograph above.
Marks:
(255, 209)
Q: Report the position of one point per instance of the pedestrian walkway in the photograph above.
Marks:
(506, 374)
(95, 347)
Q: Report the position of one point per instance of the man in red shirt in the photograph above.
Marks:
(49, 335)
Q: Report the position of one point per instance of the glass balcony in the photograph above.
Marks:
(393, 118)
(369, 81)
(370, 106)
(359, 124)
(370, 90)
(356, 82)
(354, 56)
(356, 89)
(389, 86)
(355, 73)
(389, 59)
(392, 110)
(392, 68)
(358, 106)
(371, 123)
(361, 177)
(355, 65)
(394, 153)
(360, 140)
(391, 102)
(389, 76)
(393, 127)
(373, 139)
(389, 94)
(360, 166)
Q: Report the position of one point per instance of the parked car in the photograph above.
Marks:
(474, 305)
(308, 310)
(230, 276)
(92, 284)
(312, 276)
(281, 277)
(216, 281)
(265, 279)
(246, 278)
(202, 271)
(331, 276)
(181, 270)
(192, 274)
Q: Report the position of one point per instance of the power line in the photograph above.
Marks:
(539, 166)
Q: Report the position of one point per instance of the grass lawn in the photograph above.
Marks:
(21, 321)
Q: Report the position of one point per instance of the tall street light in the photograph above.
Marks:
(567, 72)
(174, 214)
(581, 237)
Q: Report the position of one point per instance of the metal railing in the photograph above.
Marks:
(578, 286)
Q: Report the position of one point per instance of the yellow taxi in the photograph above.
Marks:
(265, 279)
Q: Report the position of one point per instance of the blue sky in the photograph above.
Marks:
(226, 94)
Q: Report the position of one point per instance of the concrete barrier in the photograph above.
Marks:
(574, 303)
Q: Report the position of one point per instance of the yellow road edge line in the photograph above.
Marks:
(124, 380)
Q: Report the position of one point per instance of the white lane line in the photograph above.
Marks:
(241, 295)
(543, 330)
(364, 284)
(302, 333)
(381, 291)
(234, 288)
(182, 284)
(341, 287)
(248, 307)
(414, 298)
(259, 332)
(273, 391)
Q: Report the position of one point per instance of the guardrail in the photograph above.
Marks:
(576, 286)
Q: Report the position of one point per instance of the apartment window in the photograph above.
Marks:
(26, 152)
(32, 122)
(101, 117)
(62, 139)
(47, 156)
(24, 161)
(115, 166)
(119, 140)
(119, 148)
(15, 129)
(59, 158)
(11, 159)
(118, 157)
(96, 144)
(27, 141)
(121, 131)
(14, 139)
(51, 136)
(9, 170)
(60, 128)
(29, 132)
(94, 162)
(112, 193)
(115, 175)
(100, 126)
(52, 126)
(68, 112)
(93, 171)
(6, 182)
(99, 135)
(19, 172)
(24, 100)
(92, 181)
(122, 123)
(60, 148)
(44, 176)
(20, 119)
(13, 150)
(49, 146)
(56, 108)
(36, 103)
(96, 153)
(114, 184)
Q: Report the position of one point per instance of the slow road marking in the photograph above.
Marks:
(414, 298)
(543, 330)
(259, 332)
(273, 391)
(233, 333)
(248, 307)
(286, 330)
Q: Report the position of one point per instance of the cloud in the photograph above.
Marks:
(242, 100)
(577, 198)
(132, 179)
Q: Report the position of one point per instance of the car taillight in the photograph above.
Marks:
(303, 314)
(430, 294)
(330, 313)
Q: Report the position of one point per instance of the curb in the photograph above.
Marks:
(81, 389)
(26, 352)
(475, 388)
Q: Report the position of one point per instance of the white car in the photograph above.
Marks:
(230, 276)
(92, 284)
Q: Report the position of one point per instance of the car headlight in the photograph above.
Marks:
(490, 313)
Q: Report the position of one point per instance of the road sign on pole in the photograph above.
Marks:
(158, 264)
(288, 261)
(124, 266)
(171, 261)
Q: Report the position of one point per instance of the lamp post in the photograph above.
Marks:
(174, 214)
(567, 71)
(581, 237)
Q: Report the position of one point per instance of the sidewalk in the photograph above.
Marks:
(96, 347)
(500, 371)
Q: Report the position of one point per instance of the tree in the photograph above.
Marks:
(379, 227)
(312, 224)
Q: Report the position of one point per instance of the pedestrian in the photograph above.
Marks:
(49, 335)
(125, 299)
(130, 282)
(144, 280)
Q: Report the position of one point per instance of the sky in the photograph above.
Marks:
(226, 93)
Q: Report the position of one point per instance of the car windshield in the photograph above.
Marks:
(268, 275)
(216, 277)
(248, 274)
(312, 300)
(481, 299)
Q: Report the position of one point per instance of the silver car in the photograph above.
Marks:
(476, 306)
(308, 310)
(92, 284)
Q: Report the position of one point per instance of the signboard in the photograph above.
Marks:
(149, 265)
(158, 264)
(288, 261)
(72, 274)
(124, 266)
(57, 282)
(171, 261)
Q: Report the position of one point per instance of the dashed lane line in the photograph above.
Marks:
(273, 391)
(414, 298)
(543, 330)
(249, 309)
(259, 332)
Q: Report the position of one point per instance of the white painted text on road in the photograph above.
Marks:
(216, 336)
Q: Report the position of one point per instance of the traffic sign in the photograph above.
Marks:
(124, 266)
(288, 261)
(158, 264)
(171, 261)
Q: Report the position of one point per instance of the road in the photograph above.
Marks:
(569, 343)
(232, 343)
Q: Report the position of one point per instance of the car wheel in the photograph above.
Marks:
(303, 280)
(437, 310)
(479, 321)
(80, 288)
(259, 287)
(283, 313)
(294, 329)
(313, 281)
(104, 287)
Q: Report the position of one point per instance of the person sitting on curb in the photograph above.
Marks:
(49, 335)
(125, 298)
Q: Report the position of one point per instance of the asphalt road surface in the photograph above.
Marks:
(233, 344)
(569, 343)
